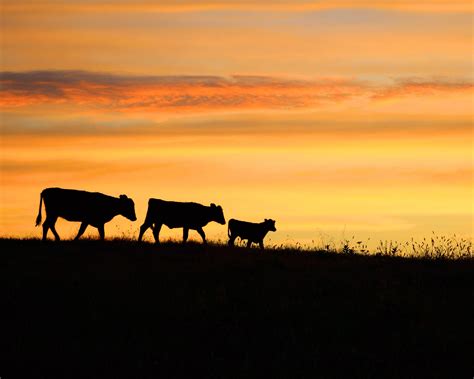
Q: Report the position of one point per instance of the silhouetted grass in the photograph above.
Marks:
(433, 247)
(436, 247)
(120, 308)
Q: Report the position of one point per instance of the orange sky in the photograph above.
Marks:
(334, 118)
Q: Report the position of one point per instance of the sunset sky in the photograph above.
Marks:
(335, 118)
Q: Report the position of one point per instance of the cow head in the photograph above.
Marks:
(217, 214)
(270, 225)
(127, 208)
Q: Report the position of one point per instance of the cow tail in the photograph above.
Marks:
(38, 218)
(228, 230)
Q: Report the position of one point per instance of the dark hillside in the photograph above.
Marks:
(121, 309)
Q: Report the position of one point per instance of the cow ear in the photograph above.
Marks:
(123, 197)
(213, 205)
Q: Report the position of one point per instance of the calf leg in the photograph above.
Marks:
(101, 230)
(202, 234)
(156, 232)
(81, 231)
(185, 234)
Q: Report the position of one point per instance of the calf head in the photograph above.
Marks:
(270, 225)
(217, 214)
(127, 208)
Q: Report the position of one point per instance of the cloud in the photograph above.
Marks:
(165, 93)
(421, 87)
(195, 94)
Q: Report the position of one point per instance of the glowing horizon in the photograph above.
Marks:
(333, 118)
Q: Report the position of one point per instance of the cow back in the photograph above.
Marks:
(176, 214)
(76, 205)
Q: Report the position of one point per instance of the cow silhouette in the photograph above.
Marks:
(250, 231)
(90, 208)
(175, 214)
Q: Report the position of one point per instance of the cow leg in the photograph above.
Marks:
(143, 229)
(52, 222)
(231, 240)
(261, 245)
(101, 230)
(156, 232)
(81, 231)
(202, 234)
(45, 229)
(185, 234)
(249, 243)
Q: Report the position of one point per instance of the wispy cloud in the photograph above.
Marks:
(209, 5)
(421, 87)
(126, 93)
(162, 93)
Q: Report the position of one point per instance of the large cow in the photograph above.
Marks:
(250, 231)
(180, 215)
(90, 208)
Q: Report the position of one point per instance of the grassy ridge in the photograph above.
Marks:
(124, 309)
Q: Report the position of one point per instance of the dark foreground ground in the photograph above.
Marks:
(121, 309)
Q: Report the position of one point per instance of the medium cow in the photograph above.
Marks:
(90, 208)
(180, 215)
(250, 231)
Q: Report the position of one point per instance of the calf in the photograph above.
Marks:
(90, 208)
(174, 214)
(252, 232)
